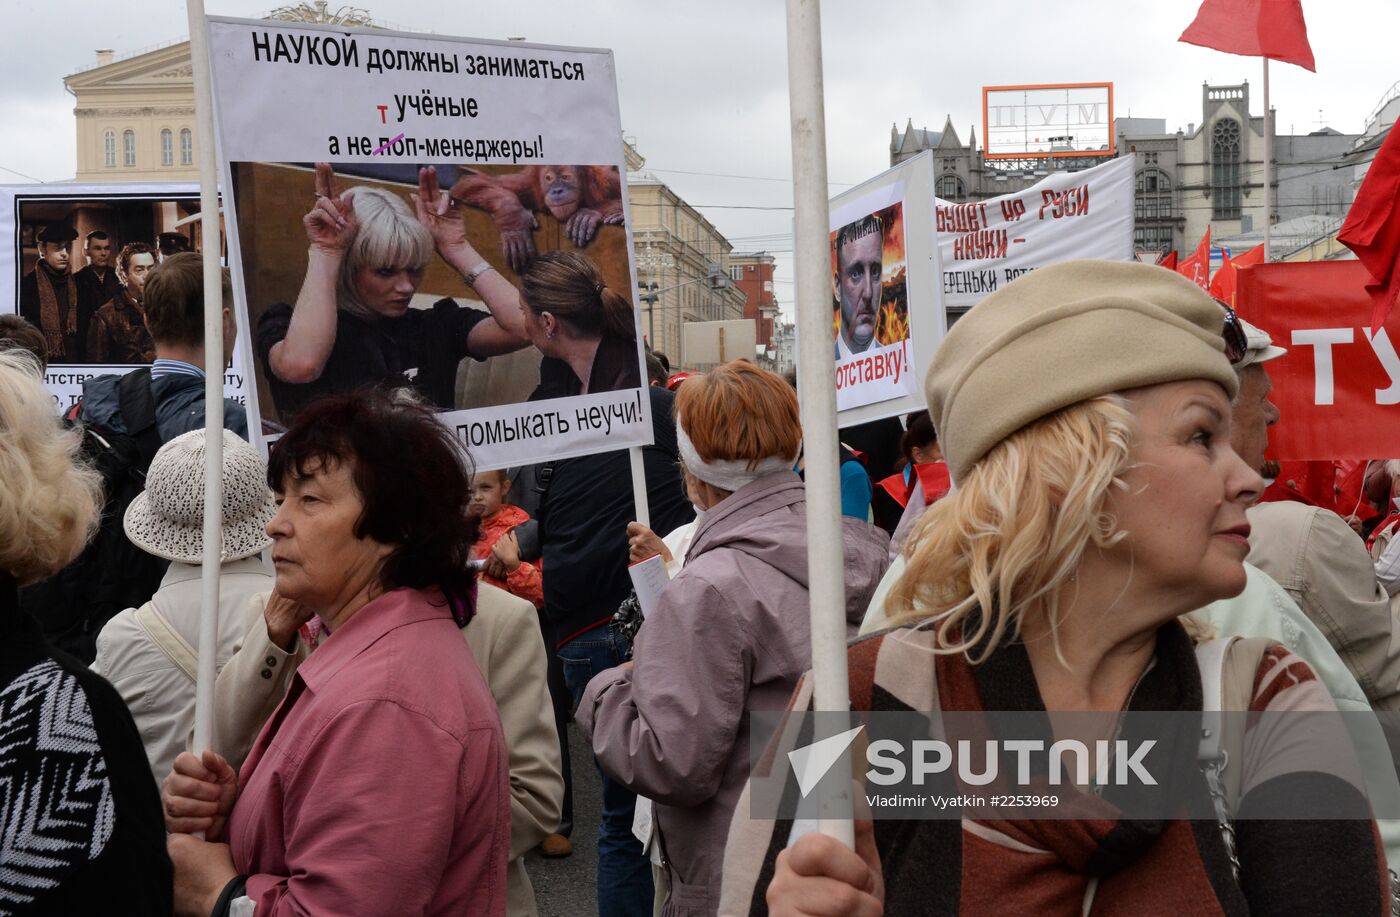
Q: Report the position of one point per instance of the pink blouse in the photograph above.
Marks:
(379, 785)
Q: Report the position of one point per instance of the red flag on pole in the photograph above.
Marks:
(1255, 28)
(1222, 285)
(1372, 228)
(1196, 268)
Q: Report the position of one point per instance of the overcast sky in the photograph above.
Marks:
(703, 86)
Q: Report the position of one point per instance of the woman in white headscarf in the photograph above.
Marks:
(730, 634)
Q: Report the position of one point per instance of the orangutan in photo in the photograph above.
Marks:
(580, 197)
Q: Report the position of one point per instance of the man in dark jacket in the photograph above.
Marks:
(48, 296)
(584, 513)
(129, 417)
(174, 303)
(97, 281)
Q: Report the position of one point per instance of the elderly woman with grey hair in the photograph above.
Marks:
(80, 823)
(353, 322)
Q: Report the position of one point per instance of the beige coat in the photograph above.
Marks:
(505, 640)
(156, 689)
(1325, 568)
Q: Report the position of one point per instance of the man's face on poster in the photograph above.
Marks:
(859, 284)
(99, 252)
(137, 270)
(55, 254)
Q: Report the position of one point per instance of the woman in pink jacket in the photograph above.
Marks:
(379, 785)
(730, 634)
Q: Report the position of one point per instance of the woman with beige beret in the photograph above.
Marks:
(1084, 412)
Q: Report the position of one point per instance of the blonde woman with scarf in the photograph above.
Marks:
(730, 634)
(1085, 414)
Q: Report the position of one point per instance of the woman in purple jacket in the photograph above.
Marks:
(730, 635)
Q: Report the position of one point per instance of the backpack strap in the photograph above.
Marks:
(1228, 668)
(170, 642)
(138, 409)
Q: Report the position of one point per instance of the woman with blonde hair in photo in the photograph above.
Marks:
(353, 322)
(1084, 412)
(80, 821)
(730, 633)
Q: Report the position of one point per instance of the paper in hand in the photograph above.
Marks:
(649, 579)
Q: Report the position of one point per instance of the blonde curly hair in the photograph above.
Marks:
(1004, 541)
(50, 502)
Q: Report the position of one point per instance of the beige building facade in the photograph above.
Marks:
(135, 117)
(683, 263)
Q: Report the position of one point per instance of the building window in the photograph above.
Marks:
(1153, 200)
(109, 148)
(167, 148)
(949, 188)
(736, 272)
(186, 147)
(1152, 238)
(128, 148)
(1225, 168)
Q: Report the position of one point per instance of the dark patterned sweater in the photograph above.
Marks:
(81, 830)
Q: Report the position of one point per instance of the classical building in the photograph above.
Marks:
(752, 273)
(136, 116)
(683, 262)
(1211, 175)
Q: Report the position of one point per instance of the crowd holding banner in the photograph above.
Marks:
(1124, 488)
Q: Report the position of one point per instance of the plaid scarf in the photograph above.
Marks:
(57, 331)
(993, 862)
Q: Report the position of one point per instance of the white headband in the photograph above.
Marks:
(727, 474)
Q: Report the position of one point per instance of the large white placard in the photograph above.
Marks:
(132, 217)
(984, 245)
(887, 311)
(525, 141)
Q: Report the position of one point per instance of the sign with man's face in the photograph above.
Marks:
(870, 304)
(860, 286)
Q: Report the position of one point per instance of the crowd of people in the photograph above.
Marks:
(402, 645)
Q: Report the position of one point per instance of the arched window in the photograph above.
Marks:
(109, 148)
(186, 147)
(128, 148)
(1154, 195)
(1225, 168)
(167, 148)
(949, 188)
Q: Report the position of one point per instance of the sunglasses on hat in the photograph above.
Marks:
(1236, 344)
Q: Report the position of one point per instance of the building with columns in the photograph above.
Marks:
(136, 116)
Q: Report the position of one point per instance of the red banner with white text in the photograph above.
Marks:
(1338, 387)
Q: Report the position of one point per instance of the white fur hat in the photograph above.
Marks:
(167, 519)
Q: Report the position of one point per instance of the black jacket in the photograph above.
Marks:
(583, 523)
(75, 786)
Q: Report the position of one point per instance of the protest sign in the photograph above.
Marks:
(887, 314)
(391, 195)
(84, 290)
(1338, 387)
(984, 245)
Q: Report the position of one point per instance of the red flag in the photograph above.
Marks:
(1196, 268)
(1222, 285)
(1255, 28)
(1372, 228)
(1168, 260)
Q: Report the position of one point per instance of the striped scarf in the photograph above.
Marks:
(991, 864)
(56, 330)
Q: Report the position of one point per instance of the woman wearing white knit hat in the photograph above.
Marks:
(148, 653)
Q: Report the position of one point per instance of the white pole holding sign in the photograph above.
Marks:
(213, 379)
(817, 378)
(639, 486)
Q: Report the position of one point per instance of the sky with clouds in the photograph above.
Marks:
(703, 86)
